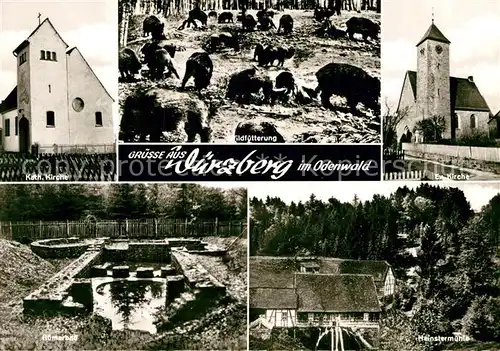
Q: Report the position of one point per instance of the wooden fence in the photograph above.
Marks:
(133, 228)
(78, 167)
(410, 175)
(77, 149)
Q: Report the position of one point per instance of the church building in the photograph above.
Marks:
(431, 91)
(59, 104)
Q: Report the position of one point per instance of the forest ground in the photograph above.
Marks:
(21, 272)
(295, 122)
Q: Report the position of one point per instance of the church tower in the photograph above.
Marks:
(433, 77)
(42, 88)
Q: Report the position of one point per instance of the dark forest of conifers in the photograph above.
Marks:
(54, 202)
(444, 254)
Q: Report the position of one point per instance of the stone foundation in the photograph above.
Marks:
(69, 292)
(55, 296)
(60, 248)
(167, 271)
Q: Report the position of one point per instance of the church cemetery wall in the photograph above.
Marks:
(489, 154)
(485, 159)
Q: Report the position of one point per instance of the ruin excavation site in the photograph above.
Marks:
(299, 114)
(179, 293)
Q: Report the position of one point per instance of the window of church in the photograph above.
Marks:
(51, 119)
(7, 127)
(42, 55)
(22, 59)
(47, 55)
(98, 119)
(459, 122)
(473, 121)
(16, 123)
(78, 104)
(54, 58)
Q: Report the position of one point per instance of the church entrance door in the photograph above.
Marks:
(24, 135)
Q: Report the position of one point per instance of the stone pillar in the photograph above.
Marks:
(81, 291)
(121, 272)
(175, 287)
(145, 272)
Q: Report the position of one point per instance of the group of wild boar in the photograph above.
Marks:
(158, 110)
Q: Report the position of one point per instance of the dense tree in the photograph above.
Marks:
(56, 202)
(482, 320)
(443, 254)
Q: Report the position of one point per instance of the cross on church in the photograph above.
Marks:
(433, 14)
(39, 15)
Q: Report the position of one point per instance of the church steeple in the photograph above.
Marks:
(435, 34)
(433, 75)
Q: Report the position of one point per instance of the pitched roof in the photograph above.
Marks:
(272, 272)
(270, 298)
(377, 269)
(10, 102)
(412, 77)
(464, 94)
(26, 42)
(494, 117)
(75, 49)
(278, 272)
(309, 265)
(434, 33)
(336, 293)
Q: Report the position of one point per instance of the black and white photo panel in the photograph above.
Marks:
(382, 266)
(250, 71)
(58, 91)
(441, 101)
(123, 267)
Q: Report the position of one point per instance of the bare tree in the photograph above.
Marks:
(390, 122)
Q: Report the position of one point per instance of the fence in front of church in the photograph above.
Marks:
(16, 167)
(77, 149)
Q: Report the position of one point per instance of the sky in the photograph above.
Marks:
(472, 26)
(478, 194)
(89, 25)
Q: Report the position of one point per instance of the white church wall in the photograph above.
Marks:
(84, 84)
(11, 142)
(48, 88)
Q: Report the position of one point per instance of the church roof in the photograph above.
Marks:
(465, 94)
(26, 42)
(10, 101)
(434, 33)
